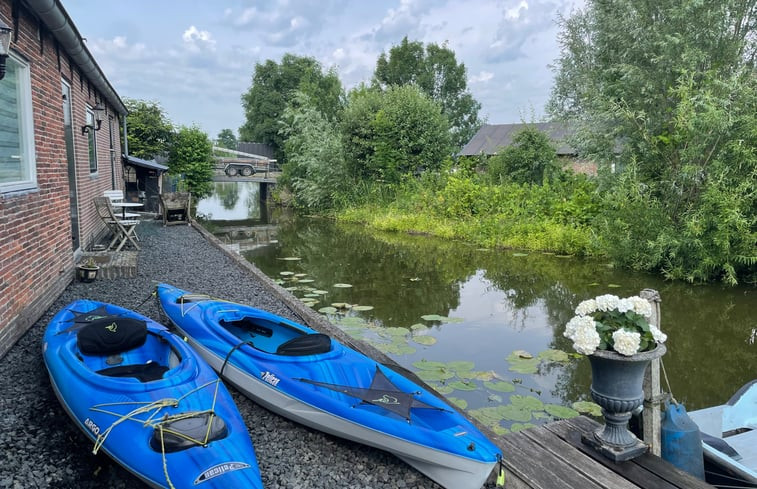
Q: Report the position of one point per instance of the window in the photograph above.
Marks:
(18, 167)
(91, 141)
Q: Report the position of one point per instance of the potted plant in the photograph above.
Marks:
(619, 341)
(88, 270)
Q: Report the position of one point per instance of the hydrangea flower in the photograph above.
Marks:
(608, 321)
(626, 342)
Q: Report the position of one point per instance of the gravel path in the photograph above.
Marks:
(41, 448)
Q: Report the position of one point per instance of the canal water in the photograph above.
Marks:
(484, 326)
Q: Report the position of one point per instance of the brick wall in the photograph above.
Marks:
(36, 253)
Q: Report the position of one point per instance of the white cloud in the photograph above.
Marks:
(482, 77)
(195, 39)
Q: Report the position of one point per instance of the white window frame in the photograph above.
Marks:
(26, 129)
(91, 141)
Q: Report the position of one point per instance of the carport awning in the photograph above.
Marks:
(152, 165)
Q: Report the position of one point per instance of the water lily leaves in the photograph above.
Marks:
(500, 386)
(306, 280)
(300, 275)
(494, 398)
(499, 430)
(429, 365)
(394, 348)
(525, 365)
(425, 340)
(327, 310)
(415, 279)
(291, 289)
(362, 308)
(342, 286)
(461, 385)
(461, 403)
(394, 331)
(477, 375)
(434, 375)
(520, 254)
(587, 407)
(352, 321)
(433, 317)
(290, 258)
(519, 354)
(552, 355)
(320, 292)
(461, 365)
(419, 327)
(341, 305)
(529, 403)
(514, 413)
(311, 295)
(613, 286)
(558, 411)
(286, 274)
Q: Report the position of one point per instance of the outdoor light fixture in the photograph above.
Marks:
(98, 110)
(5, 46)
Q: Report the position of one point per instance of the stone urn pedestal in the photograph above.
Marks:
(617, 386)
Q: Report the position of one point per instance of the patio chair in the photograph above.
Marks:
(118, 196)
(175, 206)
(124, 230)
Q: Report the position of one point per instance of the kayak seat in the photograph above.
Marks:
(307, 344)
(144, 372)
(111, 335)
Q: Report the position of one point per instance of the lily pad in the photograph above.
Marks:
(424, 340)
(395, 331)
(499, 430)
(527, 402)
(461, 366)
(514, 413)
(461, 385)
(613, 286)
(320, 292)
(525, 365)
(520, 254)
(290, 258)
(311, 295)
(500, 386)
(461, 403)
(300, 275)
(286, 274)
(291, 289)
(341, 305)
(433, 317)
(443, 389)
(429, 365)
(434, 375)
(558, 411)
(342, 286)
(515, 427)
(352, 321)
(327, 310)
(362, 308)
(588, 407)
(494, 398)
(476, 374)
(519, 354)
(419, 327)
(552, 355)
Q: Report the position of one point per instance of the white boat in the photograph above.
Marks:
(729, 438)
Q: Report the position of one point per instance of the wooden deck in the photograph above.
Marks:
(553, 457)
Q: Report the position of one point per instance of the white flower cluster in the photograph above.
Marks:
(582, 329)
(626, 342)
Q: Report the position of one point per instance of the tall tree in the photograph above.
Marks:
(668, 90)
(192, 156)
(436, 71)
(149, 131)
(227, 139)
(273, 86)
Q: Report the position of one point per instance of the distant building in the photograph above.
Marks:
(261, 149)
(55, 157)
(491, 138)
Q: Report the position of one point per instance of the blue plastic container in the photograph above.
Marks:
(682, 441)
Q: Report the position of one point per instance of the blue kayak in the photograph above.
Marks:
(144, 397)
(313, 379)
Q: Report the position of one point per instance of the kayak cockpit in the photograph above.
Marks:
(123, 347)
(277, 338)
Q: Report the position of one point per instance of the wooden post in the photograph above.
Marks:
(652, 416)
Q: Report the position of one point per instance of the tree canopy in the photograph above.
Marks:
(192, 156)
(149, 131)
(273, 86)
(667, 90)
(227, 139)
(435, 70)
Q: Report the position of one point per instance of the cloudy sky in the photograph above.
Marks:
(196, 57)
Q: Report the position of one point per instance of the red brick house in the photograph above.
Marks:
(52, 160)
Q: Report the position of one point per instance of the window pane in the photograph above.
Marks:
(13, 164)
(91, 141)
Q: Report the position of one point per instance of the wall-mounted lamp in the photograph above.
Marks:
(98, 110)
(5, 46)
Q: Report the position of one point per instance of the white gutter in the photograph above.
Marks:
(56, 19)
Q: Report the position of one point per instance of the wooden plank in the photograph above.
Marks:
(562, 450)
(646, 471)
(543, 471)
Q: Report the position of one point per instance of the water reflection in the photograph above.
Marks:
(504, 302)
(232, 201)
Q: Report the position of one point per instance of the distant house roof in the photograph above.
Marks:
(152, 165)
(491, 137)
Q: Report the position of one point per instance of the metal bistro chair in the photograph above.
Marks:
(123, 230)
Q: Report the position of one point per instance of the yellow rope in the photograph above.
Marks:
(155, 407)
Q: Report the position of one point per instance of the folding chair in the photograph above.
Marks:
(118, 196)
(123, 230)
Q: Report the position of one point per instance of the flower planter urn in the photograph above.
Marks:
(617, 386)
(87, 273)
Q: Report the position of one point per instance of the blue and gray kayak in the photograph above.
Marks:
(313, 379)
(145, 398)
